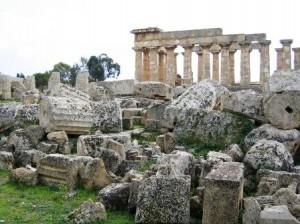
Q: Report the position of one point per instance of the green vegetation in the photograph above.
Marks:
(9, 101)
(146, 166)
(42, 204)
(147, 137)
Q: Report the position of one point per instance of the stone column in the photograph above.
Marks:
(225, 64)
(153, 57)
(162, 66)
(200, 65)
(245, 64)
(5, 87)
(215, 50)
(171, 76)
(286, 53)
(296, 58)
(175, 64)
(138, 63)
(53, 80)
(82, 81)
(206, 60)
(231, 73)
(279, 58)
(187, 71)
(264, 61)
(146, 66)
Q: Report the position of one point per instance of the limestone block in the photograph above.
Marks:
(59, 137)
(26, 115)
(153, 90)
(76, 116)
(82, 81)
(6, 161)
(277, 214)
(283, 81)
(267, 186)
(5, 87)
(24, 175)
(31, 97)
(98, 93)
(53, 80)
(29, 83)
(282, 109)
(226, 182)
(127, 123)
(245, 102)
(287, 137)
(130, 112)
(269, 154)
(17, 88)
(115, 196)
(169, 142)
(88, 212)
(251, 211)
(118, 147)
(171, 197)
(235, 152)
(63, 90)
(7, 115)
(119, 87)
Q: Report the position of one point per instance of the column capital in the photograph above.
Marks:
(296, 49)
(224, 44)
(264, 42)
(205, 45)
(187, 46)
(137, 49)
(215, 49)
(278, 50)
(286, 42)
(170, 47)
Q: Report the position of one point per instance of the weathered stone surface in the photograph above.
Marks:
(15, 115)
(119, 87)
(57, 169)
(63, 90)
(269, 154)
(82, 81)
(245, 102)
(6, 161)
(20, 140)
(179, 162)
(77, 116)
(30, 157)
(287, 137)
(17, 88)
(88, 212)
(282, 109)
(267, 186)
(283, 81)
(284, 196)
(169, 142)
(99, 93)
(59, 137)
(115, 196)
(153, 90)
(277, 214)
(235, 152)
(226, 182)
(251, 211)
(54, 80)
(164, 199)
(31, 97)
(24, 175)
(48, 147)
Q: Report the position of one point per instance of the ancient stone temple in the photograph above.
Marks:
(155, 58)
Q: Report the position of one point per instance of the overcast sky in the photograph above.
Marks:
(36, 34)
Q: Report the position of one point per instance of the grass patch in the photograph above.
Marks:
(146, 166)
(147, 137)
(42, 204)
(9, 101)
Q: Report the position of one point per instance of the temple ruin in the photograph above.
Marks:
(155, 59)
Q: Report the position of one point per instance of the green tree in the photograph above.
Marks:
(64, 70)
(41, 80)
(20, 75)
(95, 69)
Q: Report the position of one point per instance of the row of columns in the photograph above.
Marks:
(284, 61)
(159, 64)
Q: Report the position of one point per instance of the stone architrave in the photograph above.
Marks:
(146, 65)
(206, 61)
(264, 61)
(138, 63)
(245, 64)
(82, 81)
(153, 58)
(170, 65)
(225, 64)
(215, 50)
(296, 58)
(200, 65)
(279, 64)
(187, 75)
(53, 80)
(224, 181)
(286, 53)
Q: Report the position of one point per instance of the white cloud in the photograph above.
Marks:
(36, 34)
